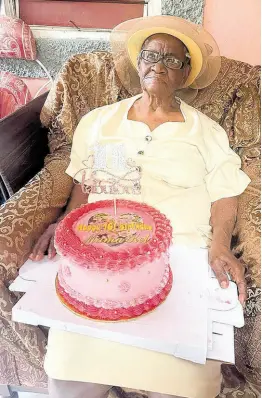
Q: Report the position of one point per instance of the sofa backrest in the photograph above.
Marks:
(88, 81)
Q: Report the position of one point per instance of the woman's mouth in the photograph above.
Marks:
(155, 77)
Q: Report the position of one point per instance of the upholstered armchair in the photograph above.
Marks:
(85, 82)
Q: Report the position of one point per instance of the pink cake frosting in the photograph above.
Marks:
(113, 267)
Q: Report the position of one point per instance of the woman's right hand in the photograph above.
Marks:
(45, 243)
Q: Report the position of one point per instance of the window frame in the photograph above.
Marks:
(151, 7)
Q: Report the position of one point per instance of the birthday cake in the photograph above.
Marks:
(114, 264)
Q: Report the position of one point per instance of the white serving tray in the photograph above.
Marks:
(182, 326)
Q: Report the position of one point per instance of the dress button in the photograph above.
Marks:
(148, 138)
(140, 152)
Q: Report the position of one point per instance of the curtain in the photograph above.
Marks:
(11, 8)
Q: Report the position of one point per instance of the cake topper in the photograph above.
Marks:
(108, 171)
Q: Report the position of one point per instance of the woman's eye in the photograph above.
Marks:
(172, 61)
(151, 57)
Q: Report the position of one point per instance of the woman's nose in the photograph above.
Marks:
(159, 67)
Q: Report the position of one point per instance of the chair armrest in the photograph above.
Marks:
(23, 146)
(25, 216)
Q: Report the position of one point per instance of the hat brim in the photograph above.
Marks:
(136, 40)
(127, 38)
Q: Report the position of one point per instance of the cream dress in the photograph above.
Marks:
(185, 166)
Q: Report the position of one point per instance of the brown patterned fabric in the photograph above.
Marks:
(86, 82)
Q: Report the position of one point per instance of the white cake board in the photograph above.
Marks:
(181, 326)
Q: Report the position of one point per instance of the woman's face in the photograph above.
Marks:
(156, 78)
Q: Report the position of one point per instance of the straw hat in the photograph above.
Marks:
(128, 37)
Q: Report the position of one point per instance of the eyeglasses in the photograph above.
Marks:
(170, 61)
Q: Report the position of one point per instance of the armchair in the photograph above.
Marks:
(85, 82)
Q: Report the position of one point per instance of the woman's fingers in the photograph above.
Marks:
(237, 271)
(218, 267)
(34, 255)
(242, 292)
(42, 244)
(51, 249)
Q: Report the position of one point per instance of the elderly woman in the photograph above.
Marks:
(188, 172)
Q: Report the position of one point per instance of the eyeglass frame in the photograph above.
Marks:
(162, 58)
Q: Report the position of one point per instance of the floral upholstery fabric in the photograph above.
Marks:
(16, 39)
(86, 82)
(14, 93)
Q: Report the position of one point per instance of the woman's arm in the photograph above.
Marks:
(79, 154)
(221, 259)
(46, 240)
(77, 199)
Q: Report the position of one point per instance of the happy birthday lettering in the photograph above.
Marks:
(114, 227)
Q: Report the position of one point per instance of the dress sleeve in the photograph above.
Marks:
(224, 177)
(81, 143)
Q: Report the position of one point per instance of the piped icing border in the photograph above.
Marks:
(116, 314)
(70, 246)
(111, 304)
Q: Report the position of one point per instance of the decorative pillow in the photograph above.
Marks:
(14, 93)
(16, 39)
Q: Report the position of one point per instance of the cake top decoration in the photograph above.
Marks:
(93, 237)
(108, 171)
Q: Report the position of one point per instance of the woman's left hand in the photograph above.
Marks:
(222, 261)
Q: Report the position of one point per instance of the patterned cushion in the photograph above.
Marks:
(16, 39)
(14, 93)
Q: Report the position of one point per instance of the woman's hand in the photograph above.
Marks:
(45, 243)
(222, 261)
(46, 240)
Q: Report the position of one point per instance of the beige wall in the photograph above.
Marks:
(235, 24)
